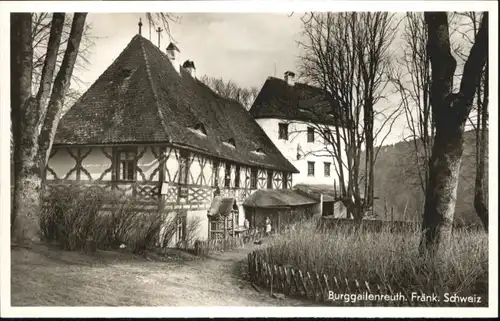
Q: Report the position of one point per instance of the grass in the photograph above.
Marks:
(386, 258)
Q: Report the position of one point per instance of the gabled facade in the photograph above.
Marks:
(148, 128)
(291, 113)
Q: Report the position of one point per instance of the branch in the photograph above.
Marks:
(442, 61)
(49, 65)
(474, 66)
(20, 67)
(61, 85)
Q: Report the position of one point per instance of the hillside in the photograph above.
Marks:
(396, 182)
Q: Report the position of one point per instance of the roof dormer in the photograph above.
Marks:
(259, 151)
(230, 143)
(126, 72)
(199, 129)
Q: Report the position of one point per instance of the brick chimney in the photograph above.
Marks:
(189, 66)
(290, 78)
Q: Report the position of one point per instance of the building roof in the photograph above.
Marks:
(172, 46)
(272, 198)
(188, 64)
(299, 102)
(315, 190)
(141, 98)
(222, 206)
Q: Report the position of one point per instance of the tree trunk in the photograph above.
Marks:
(34, 121)
(20, 92)
(27, 204)
(479, 197)
(450, 112)
(441, 193)
(480, 201)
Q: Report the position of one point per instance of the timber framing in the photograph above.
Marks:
(194, 191)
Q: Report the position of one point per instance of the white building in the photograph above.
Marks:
(293, 115)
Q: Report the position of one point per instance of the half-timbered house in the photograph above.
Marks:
(149, 128)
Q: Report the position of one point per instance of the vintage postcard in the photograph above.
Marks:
(249, 158)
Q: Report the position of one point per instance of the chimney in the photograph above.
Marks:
(173, 54)
(189, 66)
(171, 51)
(290, 78)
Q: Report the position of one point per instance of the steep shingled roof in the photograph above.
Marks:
(299, 102)
(141, 98)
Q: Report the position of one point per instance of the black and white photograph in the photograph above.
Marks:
(210, 155)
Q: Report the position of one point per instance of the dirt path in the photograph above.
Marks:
(47, 277)
(218, 280)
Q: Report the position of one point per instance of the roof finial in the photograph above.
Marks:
(159, 30)
(140, 26)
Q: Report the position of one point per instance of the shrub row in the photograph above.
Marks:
(75, 216)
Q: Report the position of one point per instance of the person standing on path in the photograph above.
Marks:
(268, 226)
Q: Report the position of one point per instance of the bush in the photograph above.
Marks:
(386, 258)
(72, 216)
(167, 231)
(69, 216)
(145, 233)
(192, 227)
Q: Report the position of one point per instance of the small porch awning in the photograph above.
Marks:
(276, 198)
(222, 206)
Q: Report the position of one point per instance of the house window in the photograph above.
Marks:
(310, 134)
(127, 164)
(327, 169)
(200, 128)
(215, 172)
(283, 131)
(237, 177)
(270, 179)
(227, 175)
(285, 180)
(310, 168)
(183, 168)
(253, 179)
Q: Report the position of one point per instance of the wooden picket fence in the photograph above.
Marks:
(203, 248)
(282, 280)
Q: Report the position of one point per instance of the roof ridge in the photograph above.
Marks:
(153, 89)
(296, 82)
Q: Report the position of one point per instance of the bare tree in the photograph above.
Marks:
(467, 25)
(40, 82)
(480, 200)
(450, 112)
(41, 30)
(347, 55)
(231, 90)
(412, 80)
(35, 117)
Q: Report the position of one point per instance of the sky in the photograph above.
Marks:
(243, 47)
